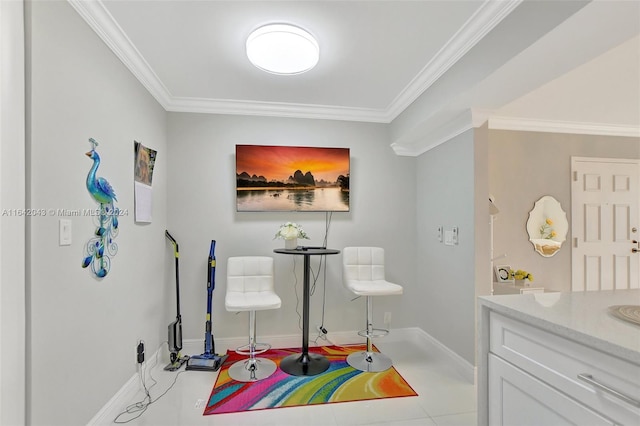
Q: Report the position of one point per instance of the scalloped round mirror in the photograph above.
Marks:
(547, 226)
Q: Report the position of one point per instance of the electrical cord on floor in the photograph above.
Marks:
(138, 408)
(141, 406)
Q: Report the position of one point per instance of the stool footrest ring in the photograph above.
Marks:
(258, 348)
(375, 332)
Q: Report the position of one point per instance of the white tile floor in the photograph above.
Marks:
(444, 398)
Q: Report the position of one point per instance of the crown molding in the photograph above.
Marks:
(557, 126)
(103, 23)
(489, 14)
(433, 133)
(276, 109)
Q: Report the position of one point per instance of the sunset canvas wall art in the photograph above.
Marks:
(286, 178)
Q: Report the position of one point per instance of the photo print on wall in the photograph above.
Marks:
(292, 178)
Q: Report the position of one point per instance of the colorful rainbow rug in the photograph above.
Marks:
(340, 383)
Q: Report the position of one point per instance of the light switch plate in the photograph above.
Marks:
(64, 234)
(455, 235)
(440, 233)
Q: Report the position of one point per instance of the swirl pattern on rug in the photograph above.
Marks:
(340, 383)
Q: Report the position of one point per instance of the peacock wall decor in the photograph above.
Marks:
(102, 247)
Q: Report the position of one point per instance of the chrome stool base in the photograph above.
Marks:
(252, 369)
(371, 362)
(368, 360)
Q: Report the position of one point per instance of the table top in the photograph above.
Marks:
(307, 251)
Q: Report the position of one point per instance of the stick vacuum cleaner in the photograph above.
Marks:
(175, 328)
(209, 360)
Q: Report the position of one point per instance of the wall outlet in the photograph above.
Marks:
(448, 238)
(387, 317)
(140, 352)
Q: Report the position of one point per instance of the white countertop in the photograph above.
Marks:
(581, 316)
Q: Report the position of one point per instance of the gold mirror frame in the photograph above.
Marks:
(547, 226)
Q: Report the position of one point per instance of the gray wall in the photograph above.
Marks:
(202, 207)
(81, 331)
(444, 302)
(524, 166)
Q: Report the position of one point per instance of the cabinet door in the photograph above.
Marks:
(518, 398)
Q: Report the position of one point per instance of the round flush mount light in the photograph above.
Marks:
(282, 49)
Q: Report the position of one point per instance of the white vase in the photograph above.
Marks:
(291, 243)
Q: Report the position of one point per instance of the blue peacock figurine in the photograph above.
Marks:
(101, 247)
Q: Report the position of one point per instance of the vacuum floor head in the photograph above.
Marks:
(205, 362)
(175, 365)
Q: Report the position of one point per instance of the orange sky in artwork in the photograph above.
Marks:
(280, 162)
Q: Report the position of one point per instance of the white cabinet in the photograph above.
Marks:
(518, 398)
(536, 377)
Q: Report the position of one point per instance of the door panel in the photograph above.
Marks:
(605, 204)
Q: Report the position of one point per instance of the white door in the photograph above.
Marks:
(605, 200)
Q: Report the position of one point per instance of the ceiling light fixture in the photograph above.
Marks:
(282, 49)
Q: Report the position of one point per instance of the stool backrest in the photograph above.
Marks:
(246, 274)
(363, 263)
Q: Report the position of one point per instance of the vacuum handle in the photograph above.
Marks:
(173, 241)
(211, 267)
(177, 256)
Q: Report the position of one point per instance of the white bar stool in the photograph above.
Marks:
(363, 269)
(250, 287)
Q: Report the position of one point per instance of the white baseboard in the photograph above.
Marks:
(464, 367)
(126, 395)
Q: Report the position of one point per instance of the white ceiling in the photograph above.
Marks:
(604, 90)
(376, 58)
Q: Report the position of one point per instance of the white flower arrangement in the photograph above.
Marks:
(291, 230)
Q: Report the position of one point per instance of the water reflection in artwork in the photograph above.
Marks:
(318, 199)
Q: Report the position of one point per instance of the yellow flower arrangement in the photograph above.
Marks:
(546, 230)
(519, 274)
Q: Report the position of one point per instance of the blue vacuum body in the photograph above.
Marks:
(209, 360)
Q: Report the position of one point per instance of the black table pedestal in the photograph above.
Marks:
(305, 363)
